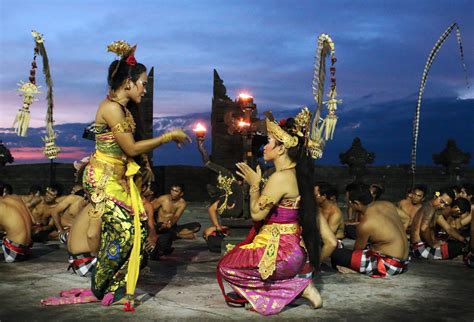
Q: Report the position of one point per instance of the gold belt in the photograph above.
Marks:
(267, 264)
(117, 167)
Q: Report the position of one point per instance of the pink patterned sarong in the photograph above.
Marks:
(240, 267)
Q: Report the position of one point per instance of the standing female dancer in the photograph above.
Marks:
(112, 176)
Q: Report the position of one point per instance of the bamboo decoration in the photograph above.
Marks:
(322, 130)
(29, 90)
(424, 77)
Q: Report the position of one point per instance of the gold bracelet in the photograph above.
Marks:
(165, 138)
(254, 188)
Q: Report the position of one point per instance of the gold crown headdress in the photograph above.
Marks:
(281, 135)
(121, 48)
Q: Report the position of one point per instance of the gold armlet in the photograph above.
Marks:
(122, 127)
(265, 202)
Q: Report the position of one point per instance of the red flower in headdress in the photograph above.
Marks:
(131, 60)
(282, 122)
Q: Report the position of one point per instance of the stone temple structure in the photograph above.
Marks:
(227, 138)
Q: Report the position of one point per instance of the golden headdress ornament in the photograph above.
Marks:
(121, 48)
(281, 135)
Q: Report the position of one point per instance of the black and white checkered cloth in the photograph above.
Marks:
(15, 252)
(422, 250)
(376, 264)
(82, 264)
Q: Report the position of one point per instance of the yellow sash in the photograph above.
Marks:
(115, 167)
(269, 237)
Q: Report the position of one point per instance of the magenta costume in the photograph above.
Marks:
(266, 270)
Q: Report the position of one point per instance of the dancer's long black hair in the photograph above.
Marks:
(119, 72)
(308, 213)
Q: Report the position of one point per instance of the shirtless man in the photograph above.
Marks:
(411, 204)
(65, 211)
(469, 258)
(422, 233)
(326, 200)
(148, 195)
(170, 208)
(16, 221)
(33, 198)
(382, 228)
(460, 215)
(83, 242)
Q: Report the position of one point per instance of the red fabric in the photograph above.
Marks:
(356, 260)
(251, 235)
(18, 250)
(78, 262)
(444, 251)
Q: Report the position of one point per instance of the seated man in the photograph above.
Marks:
(376, 190)
(350, 229)
(16, 221)
(66, 210)
(469, 258)
(170, 208)
(215, 233)
(422, 233)
(83, 242)
(460, 215)
(411, 204)
(43, 223)
(326, 200)
(387, 253)
(33, 198)
(148, 195)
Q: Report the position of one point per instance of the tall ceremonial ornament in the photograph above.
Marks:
(431, 57)
(28, 91)
(322, 130)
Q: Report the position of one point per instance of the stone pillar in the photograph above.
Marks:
(452, 158)
(146, 107)
(227, 143)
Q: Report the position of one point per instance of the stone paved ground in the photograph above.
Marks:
(182, 286)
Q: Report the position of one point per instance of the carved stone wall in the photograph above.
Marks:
(395, 179)
(227, 143)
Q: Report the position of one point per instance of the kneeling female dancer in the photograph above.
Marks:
(270, 268)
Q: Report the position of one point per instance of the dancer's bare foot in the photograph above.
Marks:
(123, 300)
(311, 293)
(345, 270)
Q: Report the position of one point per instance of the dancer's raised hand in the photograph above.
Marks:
(248, 174)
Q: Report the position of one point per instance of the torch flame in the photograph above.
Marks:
(199, 128)
(245, 96)
(242, 124)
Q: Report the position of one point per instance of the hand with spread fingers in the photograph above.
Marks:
(248, 174)
(180, 137)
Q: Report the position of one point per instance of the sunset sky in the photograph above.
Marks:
(265, 48)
